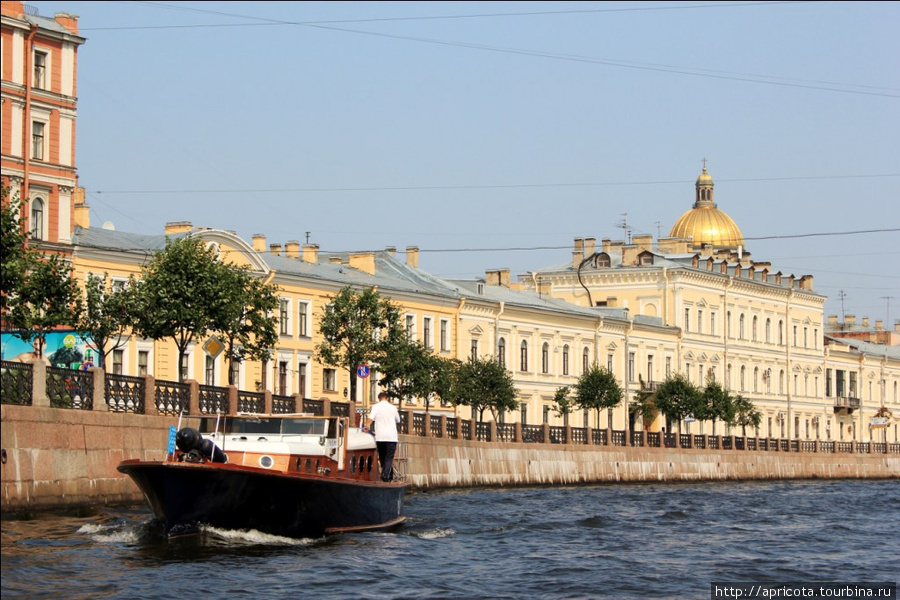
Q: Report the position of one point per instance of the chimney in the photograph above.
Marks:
(259, 243)
(412, 256)
(643, 241)
(275, 249)
(577, 257)
(850, 320)
(806, 283)
(392, 250)
(879, 325)
(579, 245)
(363, 261)
(544, 288)
(334, 260)
(14, 9)
(498, 277)
(178, 227)
(590, 246)
(292, 249)
(68, 21)
(832, 320)
(311, 253)
(865, 322)
(82, 210)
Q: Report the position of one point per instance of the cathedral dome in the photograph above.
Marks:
(705, 224)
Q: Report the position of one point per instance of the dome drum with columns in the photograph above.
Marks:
(705, 225)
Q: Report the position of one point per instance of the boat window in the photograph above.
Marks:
(256, 425)
(304, 426)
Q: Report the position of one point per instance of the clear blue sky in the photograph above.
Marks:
(493, 125)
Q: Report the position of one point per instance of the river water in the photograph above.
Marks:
(597, 541)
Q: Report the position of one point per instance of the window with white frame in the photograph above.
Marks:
(284, 316)
(210, 371)
(118, 361)
(585, 360)
(426, 333)
(565, 360)
(411, 327)
(473, 349)
(501, 352)
(41, 77)
(37, 219)
(443, 335)
(38, 140)
(523, 356)
(143, 362)
(328, 380)
(303, 319)
(545, 358)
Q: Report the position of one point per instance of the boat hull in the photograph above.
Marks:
(186, 495)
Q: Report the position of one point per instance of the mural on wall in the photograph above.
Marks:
(67, 349)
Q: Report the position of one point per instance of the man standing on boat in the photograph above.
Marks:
(383, 418)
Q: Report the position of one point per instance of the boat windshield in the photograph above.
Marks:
(277, 425)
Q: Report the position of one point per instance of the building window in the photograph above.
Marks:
(473, 350)
(794, 337)
(118, 357)
(631, 366)
(699, 321)
(40, 70)
(668, 366)
(301, 379)
(712, 323)
(687, 319)
(328, 379)
(501, 352)
(283, 317)
(806, 337)
(768, 331)
(609, 363)
(183, 367)
(443, 335)
(143, 360)
(742, 381)
(410, 327)
(565, 360)
(37, 219)
(585, 360)
(282, 378)
(303, 319)
(426, 333)
(523, 357)
(756, 379)
(545, 358)
(37, 140)
(781, 333)
(234, 373)
(210, 376)
(649, 368)
(728, 324)
(741, 327)
(753, 332)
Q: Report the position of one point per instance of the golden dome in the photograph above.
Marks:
(705, 223)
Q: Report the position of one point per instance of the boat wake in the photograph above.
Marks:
(434, 534)
(253, 537)
(121, 532)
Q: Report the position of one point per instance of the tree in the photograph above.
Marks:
(13, 250)
(406, 370)
(246, 319)
(47, 298)
(718, 405)
(108, 314)
(597, 389)
(745, 414)
(182, 295)
(677, 398)
(484, 384)
(357, 327)
(565, 403)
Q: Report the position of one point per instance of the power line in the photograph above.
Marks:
(483, 186)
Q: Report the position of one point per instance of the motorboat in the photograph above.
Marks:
(292, 475)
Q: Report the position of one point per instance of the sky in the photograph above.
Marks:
(491, 134)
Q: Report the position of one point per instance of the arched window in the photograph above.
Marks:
(741, 328)
(728, 324)
(501, 352)
(781, 333)
(742, 382)
(756, 379)
(753, 332)
(37, 219)
(545, 358)
(523, 356)
(768, 331)
(728, 377)
(781, 382)
(565, 360)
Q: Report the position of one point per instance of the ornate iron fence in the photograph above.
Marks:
(533, 434)
(637, 438)
(213, 400)
(558, 435)
(653, 439)
(451, 427)
(807, 446)
(312, 407)
(684, 439)
(68, 388)
(125, 393)
(618, 438)
(339, 409)
(418, 424)
(700, 441)
(16, 383)
(579, 435)
(483, 431)
(465, 429)
(435, 426)
(172, 398)
(506, 432)
(251, 402)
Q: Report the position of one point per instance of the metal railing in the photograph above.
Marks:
(125, 393)
(16, 383)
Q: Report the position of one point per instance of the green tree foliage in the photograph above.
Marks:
(410, 370)
(565, 402)
(597, 389)
(246, 319)
(46, 299)
(108, 314)
(483, 384)
(677, 398)
(13, 251)
(718, 405)
(745, 414)
(358, 327)
(182, 294)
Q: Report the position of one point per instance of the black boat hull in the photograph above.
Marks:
(186, 495)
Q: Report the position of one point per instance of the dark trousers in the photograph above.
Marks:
(386, 451)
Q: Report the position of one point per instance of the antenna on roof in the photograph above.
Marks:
(623, 224)
(842, 295)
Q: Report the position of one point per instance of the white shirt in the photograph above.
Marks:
(386, 417)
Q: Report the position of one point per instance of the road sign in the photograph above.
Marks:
(362, 371)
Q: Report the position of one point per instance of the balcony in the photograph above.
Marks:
(845, 404)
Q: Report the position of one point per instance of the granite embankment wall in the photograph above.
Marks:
(54, 458)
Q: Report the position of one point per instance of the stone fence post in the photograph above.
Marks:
(232, 399)
(39, 384)
(150, 407)
(194, 401)
(98, 377)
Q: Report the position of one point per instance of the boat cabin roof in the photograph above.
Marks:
(268, 424)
